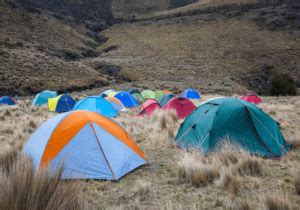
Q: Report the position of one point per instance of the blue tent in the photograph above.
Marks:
(127, 99)
(6, 100)
(61, 103)
(96, 104)
(191, 94)
(235, 121)
(42, 97)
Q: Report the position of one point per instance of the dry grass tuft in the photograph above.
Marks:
(229, 182)
(277, 202)
(251, 166)
(7, 159)
(192, 170)
(142, 189)
(297, 184)
(21, 188)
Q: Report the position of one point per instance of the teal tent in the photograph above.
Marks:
(42, 97)
(235, 121)
(163, 100)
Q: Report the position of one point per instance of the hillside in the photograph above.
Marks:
(39, 51)
(229, 51)
(213, 45)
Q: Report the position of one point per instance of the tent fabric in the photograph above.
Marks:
(7, 100)
(147, 94)
(61, 103)
(163, 100)
(116, 103)
(96, 104)
(252, 98)
(138, 97)
(86, 144)
(42, 97)
(148, 107)
(108, 92)
(235, 121)
(127, 100)
(182, 106)
(167, 92)
(158, 94)
(191, 94)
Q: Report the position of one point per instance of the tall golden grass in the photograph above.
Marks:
(22, 188)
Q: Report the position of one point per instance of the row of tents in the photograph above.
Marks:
(92, 146)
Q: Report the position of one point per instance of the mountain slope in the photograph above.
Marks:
(39, 51)
(214, 52)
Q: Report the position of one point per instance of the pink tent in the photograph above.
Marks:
(148, 107)
(252, 98)
(182, 106)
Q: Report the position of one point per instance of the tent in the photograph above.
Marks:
(116, 103)
(7, 100)
(148, 94)
(86, 145)
(252, 98)
(167, 92)
(61, 103)
(108, 92)
(96, 104)
(158, 94)
(237, 121)
(148, 107)
(138, 97)
(182, 106)
(132, 90)
(190, 94)
(163, 100)
(42, 97)
(127, 100)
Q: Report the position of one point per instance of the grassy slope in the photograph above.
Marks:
(214, 56)
(158, 185)
(33, 51)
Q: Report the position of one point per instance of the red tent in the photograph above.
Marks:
(182, 106)
(252, 98)
(148, 107)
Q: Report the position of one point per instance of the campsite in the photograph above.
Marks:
(161, 174)
(150, 104)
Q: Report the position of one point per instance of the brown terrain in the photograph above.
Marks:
(216, 46)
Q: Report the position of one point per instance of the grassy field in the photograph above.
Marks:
(229, 179)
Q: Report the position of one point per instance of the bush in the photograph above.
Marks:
(282, 85)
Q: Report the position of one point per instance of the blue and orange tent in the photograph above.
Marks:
(96, 104)
(7, 100)
(87, 146)
(61, 103)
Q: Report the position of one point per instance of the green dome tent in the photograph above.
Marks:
(228, 119)
(148, 94)
(138, 97)
(158, 94)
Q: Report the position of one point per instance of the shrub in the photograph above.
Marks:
(282, 85)
(276, 202)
